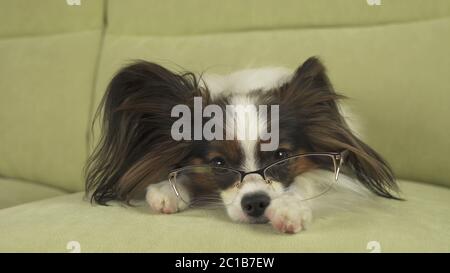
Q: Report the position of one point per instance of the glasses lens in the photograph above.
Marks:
(311, 175)
(205, 185)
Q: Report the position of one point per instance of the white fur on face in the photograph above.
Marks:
(253, 183)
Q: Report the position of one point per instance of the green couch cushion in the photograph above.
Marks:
(174, 17)
(15, 192)
(396, 76)
(46, 89)
(25, 17)
(418, 224)
(47, 68)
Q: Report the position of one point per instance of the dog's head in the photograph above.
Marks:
(244, 159)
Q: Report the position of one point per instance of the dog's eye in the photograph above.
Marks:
(281, 153)
(217, 161)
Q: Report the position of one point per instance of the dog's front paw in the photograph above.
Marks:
(162, 198)
(288, 216)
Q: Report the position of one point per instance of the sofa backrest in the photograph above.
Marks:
(48, 52)
(392, 61)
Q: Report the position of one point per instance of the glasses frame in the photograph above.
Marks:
(337, 157)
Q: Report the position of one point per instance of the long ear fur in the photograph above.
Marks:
(316, 106)
(136, 147)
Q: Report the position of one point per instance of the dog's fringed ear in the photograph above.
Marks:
(311, 76)
(317, 109)
(136, 147)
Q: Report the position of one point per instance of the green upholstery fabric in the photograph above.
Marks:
(172, 17)
(46, 87)
(15, 192)
(43, 17)
(420, 224)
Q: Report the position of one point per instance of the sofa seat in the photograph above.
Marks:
(15, 192)
(419, 224)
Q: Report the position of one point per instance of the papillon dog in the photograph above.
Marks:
(315, 150)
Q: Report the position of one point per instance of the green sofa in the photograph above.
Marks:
(392, 60)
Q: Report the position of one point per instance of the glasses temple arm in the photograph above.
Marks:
(342, 156)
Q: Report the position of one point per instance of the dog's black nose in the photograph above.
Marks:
(255, 204)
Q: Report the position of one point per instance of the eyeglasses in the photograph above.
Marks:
(203, 180)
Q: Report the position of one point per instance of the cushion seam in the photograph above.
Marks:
(284, 28)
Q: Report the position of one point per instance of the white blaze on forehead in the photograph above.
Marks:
(244, 81)
(247, 131)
